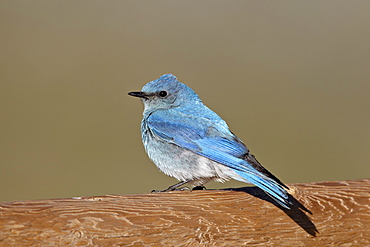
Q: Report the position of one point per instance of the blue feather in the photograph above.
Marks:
(190, 142)
(221, 147)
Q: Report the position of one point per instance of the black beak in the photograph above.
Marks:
(138, 94)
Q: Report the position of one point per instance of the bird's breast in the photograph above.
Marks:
(179, 162)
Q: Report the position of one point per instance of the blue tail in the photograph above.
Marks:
(273, 189)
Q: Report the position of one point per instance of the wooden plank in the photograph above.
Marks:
(340, 217)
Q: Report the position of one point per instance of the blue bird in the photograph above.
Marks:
(190, 142)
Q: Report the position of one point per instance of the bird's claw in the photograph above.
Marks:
(200, 187)
(167, 190)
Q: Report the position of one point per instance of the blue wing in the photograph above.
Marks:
(215, 141)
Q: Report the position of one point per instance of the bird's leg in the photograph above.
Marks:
(175, 187)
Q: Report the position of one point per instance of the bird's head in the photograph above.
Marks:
(164, 93)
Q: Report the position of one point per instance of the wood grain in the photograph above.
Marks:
(324, 214)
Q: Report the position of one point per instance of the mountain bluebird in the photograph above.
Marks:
(190, 142)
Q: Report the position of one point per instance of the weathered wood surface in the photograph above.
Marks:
(340, 217)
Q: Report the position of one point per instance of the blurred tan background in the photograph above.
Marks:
(291, 78)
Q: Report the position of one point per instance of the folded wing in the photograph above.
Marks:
(214, 141)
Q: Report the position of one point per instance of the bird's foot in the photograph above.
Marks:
(200, 187)
(175, 187)
(170, 189)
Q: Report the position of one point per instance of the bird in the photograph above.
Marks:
(188, 141)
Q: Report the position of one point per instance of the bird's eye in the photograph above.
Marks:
(162, 94)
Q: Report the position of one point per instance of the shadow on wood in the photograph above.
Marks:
(325, 213)
(296, 213)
